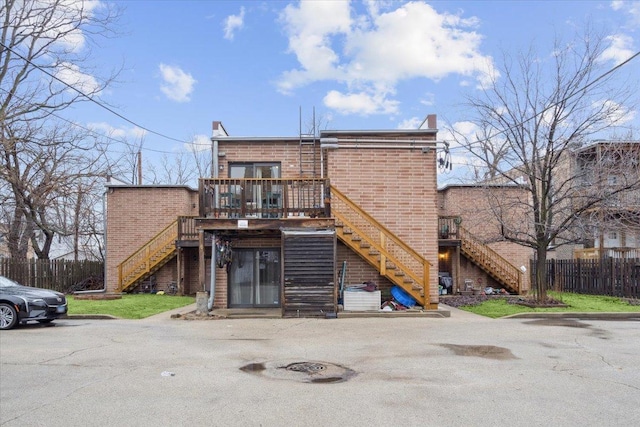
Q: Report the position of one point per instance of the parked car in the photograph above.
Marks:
(21, 304)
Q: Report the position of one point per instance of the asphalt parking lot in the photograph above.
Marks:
(464, 370)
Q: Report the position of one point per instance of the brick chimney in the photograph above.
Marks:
(218, 129)
(432, 121)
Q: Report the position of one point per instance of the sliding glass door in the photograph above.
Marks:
(254, 278)
(262, 194)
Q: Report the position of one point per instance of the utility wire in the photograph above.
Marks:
(571, 95)
(96, 133)
(28, 61)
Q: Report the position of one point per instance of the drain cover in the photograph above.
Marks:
(307, 371)
(306, 367)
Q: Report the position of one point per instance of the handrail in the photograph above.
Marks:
(389, 246)
(491, 260)
(141, 262)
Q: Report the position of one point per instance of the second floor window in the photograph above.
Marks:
(254, 170)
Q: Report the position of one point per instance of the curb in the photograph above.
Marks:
(89, 316)
(578, 315)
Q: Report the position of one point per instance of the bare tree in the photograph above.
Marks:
(182, 167)
(174, 169)
(532, 115)
(45, 67)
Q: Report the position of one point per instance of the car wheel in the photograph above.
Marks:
(8, 316)
(45, 320)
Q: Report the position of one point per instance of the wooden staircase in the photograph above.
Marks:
(381, 248)
(490, 262)
(148, 259)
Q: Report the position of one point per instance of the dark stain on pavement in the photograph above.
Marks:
(484, 351)
(253, 367)
(569, 323)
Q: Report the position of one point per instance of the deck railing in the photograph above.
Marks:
(263, 198)
(449, 227)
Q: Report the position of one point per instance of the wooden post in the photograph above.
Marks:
(179, 267)
(383, 259)
(426, 289)
(457, 270)
(201, 263)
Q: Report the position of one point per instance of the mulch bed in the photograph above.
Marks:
(465, 300)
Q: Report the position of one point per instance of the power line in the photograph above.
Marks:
(566, 98)
(98, 134)
(28, 61)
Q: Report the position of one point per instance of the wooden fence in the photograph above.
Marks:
(60, 275)
(614, 277)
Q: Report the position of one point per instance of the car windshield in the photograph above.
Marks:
(6, 283)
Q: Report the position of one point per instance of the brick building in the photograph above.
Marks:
(292, 210)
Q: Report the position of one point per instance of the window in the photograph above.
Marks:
(261, 197)
(254, 170)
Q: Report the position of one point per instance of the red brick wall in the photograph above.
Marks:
(473, 205)
(285, 152)
(135, 215)
(398, 188)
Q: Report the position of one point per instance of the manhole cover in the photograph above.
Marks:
(306, 367)
(306, 371)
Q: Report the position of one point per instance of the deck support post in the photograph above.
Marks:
(201, 262)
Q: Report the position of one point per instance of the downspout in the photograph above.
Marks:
(214, 174)
(212, 286)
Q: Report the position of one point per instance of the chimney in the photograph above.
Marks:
(218, 129)
(432, 121)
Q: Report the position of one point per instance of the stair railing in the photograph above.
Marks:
(389, 246)
(490, 260)
(143, 261)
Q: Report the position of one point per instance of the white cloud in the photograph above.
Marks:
(631, 10)
(617, 113)
(74, 77)
(199, 143)
(62, 22)
(428, 99)
(370, 53)
(123, 133)
(360, 103)
(460, 131)
(619, 50)
(177, 85)
(412, 123)
(233, 23)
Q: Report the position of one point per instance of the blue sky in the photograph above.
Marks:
(360, 64)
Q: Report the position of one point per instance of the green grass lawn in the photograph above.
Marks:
(576, 303)
(129, 306)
